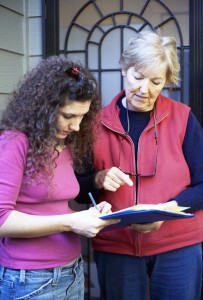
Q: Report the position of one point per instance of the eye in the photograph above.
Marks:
(67, 116)
(156, 82)
(138, 77)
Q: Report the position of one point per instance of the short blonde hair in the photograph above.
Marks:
(149, 50)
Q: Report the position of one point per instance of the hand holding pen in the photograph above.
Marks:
(103, 207)
(88, 222)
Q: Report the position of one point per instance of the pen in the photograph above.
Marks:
(93, 201)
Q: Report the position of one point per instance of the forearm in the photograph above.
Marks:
(86, 223)
(191, 197)
(21, 225)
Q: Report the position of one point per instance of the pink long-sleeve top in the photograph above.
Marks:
(39, 198)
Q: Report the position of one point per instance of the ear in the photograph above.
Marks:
(123, 72)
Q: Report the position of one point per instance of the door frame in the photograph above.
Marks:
(50, 24)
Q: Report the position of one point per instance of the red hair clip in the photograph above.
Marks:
(74, 72)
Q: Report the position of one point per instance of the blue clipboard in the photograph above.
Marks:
(132, 216)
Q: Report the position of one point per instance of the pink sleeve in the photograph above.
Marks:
(13, 152)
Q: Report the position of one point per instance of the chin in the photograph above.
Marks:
(61, 136)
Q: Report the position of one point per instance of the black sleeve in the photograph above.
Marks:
(192, 196)
(87, 185)
(87, 182)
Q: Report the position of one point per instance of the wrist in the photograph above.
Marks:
(97, 181)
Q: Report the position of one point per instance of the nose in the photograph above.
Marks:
(144, 86)
(75, 125)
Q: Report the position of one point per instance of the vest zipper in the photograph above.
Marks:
(134, 163)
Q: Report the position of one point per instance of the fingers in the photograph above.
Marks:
(147, 227)
(87, 222)
(103, 209)
(105, 223)
(98, 226)
(112, 179)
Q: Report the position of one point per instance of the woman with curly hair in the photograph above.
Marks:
(45, 130)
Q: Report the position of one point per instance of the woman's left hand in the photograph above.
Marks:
(147, 227)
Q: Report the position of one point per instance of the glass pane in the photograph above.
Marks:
(97, 32)
(111, 85)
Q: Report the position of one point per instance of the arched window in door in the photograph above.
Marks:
(99, 31)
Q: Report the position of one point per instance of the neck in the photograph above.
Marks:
(126, 103)
(61, 145)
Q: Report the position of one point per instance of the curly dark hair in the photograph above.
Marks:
(34, 105)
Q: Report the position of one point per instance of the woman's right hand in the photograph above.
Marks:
(111, 179)
(88, 223)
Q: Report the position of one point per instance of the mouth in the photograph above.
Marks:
(65, 133)
(141, 97)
